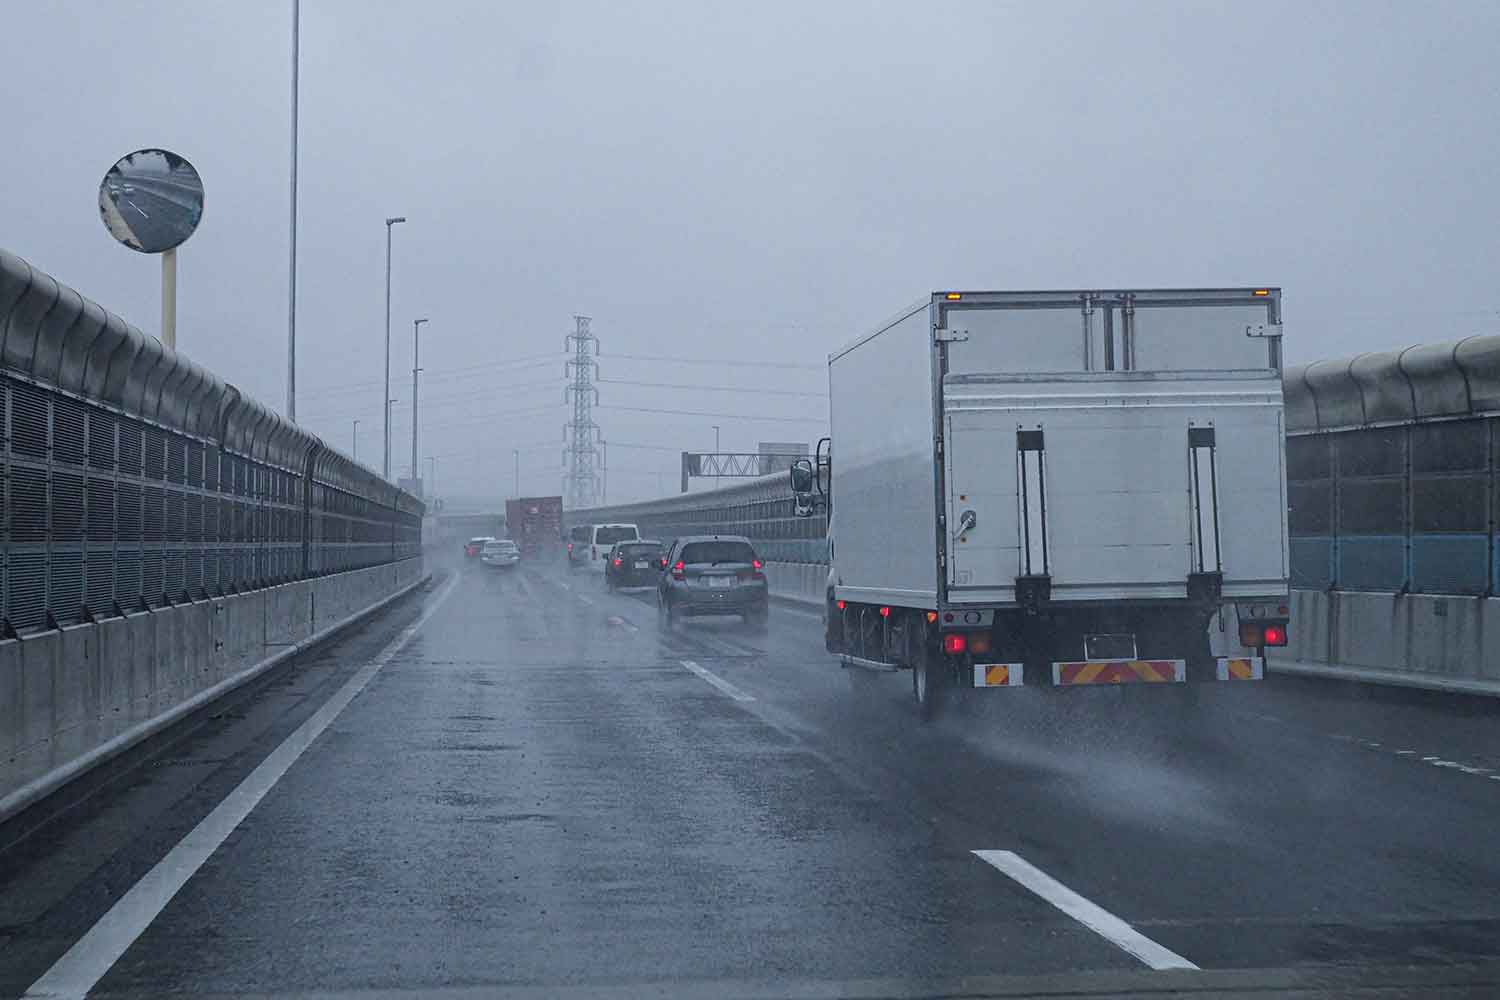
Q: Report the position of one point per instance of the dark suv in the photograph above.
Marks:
(713, 575)
(634, 564)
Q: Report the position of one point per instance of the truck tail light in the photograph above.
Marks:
(679, 570)
(955, 643)
(885, 612)
(1275, 635)
(619, 562)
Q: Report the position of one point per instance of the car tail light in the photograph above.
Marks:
(678, 571)
(955, 643)
(663, 562)
(619, 562)
(885, 612)
(570, 546)
(757, 564)
(1275, 635)
(841, 605)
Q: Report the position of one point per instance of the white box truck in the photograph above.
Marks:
(1057, 488)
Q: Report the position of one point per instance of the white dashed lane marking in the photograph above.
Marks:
(718, 682)
(1090, 915)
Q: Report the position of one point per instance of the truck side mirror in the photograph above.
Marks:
(802, 476)
(803, 481)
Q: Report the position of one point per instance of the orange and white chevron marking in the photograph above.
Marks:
(989, 675)
(1120, 672)
(1241, 668)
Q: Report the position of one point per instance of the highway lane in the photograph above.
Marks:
(542, 789)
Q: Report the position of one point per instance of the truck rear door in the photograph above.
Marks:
(1066, 460)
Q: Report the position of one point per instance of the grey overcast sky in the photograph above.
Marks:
(746, 181)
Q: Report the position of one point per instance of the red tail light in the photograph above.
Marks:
(677, 570)
(955, 643)
(663, 562)
(841, 605)
(757, 564)
(619, 562)
(885, 612)
(1275, 635)
(570, 546)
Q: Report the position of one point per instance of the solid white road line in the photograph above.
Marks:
(1095, 918)
(718, 682)
(84, 964)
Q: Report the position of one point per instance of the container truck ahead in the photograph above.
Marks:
(535, 524)
(1057, 488)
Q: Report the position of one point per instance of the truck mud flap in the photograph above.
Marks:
(1241, 668)
(1119, 672)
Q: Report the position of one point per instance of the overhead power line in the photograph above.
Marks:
(757, 390)
(736, 362)
(711, 413)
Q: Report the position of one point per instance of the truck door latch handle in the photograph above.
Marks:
(967, 520)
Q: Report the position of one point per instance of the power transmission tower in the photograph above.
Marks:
(581, 435)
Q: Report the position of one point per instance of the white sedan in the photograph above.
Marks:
(500, 552)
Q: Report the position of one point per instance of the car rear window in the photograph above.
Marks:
(579, 534)
(632, 551)
(608, 536)
(717, 552)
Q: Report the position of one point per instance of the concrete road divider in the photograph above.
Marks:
(75, 697)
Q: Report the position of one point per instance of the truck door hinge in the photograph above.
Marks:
(939, 443)
(942, 335)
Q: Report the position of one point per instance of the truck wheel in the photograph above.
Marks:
(927, 678)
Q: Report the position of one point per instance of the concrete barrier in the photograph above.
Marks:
(800, 582)
(74, 698)
(1415, 640)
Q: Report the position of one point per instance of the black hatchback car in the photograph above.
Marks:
(713, 575)
(634, 564)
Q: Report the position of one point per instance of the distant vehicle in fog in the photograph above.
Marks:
(634, 564)
(713, 575)
(501, 552)
(474, 546)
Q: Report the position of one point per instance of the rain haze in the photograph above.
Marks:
(1120, 625)
(743, 183)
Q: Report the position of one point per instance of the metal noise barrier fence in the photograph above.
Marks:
(1393, 470)
(136, 479)
(760, 509)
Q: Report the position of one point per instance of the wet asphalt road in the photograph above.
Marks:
(538, 792)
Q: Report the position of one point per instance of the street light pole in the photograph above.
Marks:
(716, 437)
(291, 305)
(356, 441)
(432, 474)
(516, 453)
(386, 466)
(416, 325)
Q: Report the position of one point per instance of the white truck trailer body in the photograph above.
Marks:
(1062, 453)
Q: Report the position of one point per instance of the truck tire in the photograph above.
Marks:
(928, 676)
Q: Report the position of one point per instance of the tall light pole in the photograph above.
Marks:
(716, 437)
(291, 304)
(386, 467)
(432, 474)
(416, 470)
(356, 441)
(516, 453)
